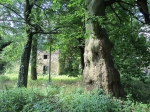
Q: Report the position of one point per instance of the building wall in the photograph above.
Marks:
(45, 62)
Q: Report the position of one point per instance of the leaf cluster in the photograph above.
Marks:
(130, 48)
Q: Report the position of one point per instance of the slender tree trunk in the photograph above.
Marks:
(34, 50)
(25, 57)
(81, 48)
(34, 59)
(82, 57)
(99, 71)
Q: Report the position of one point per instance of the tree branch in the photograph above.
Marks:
(130, 12)
(115, 13)
(12, 10)
(12, 20)
(128, 3)
(54, 31)
(4, 45)
(32, 4)
(110, 2)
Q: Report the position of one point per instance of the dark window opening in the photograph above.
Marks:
(45, 56)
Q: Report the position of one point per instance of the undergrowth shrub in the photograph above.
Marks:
(46, 104)
(131, 106)
(57, 99)
(140, 91)
(90, 102)
(20, 99)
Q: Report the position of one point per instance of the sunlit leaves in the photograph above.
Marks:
(56, 5)
(6, 1)
(54, 1)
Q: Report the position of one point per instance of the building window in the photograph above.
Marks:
(45, 56)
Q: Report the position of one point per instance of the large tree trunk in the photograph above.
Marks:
(99, 71)
(34, 59)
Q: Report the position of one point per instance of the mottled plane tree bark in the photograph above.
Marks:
(99, 71)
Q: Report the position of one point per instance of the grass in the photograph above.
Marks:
(42, 82)
(8, 81)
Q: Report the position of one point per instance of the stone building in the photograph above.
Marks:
(43, 62)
